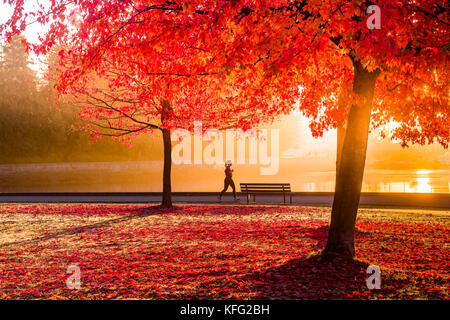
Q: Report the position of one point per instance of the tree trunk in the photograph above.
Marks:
(349, 175)
(339, 144)
(167, 183)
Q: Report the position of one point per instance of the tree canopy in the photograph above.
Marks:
(256, 59)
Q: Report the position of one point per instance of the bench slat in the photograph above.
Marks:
(265, 191)
(262, 191)
(275, 188)
(265, 184)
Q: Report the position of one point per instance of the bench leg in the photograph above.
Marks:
(284, 198)
(291, 198)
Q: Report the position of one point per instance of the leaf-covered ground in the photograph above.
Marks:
(216, 252)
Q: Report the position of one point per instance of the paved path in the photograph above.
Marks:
(441, 201)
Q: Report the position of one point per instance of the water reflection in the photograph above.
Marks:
(422, 183)
(416, 181)
(146, 177)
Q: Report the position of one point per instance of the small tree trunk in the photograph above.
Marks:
(167, 184)
(350, 171)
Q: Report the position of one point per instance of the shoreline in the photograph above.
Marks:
(368, 199)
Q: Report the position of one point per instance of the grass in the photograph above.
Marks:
(217, 252)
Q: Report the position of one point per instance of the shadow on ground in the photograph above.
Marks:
(134, 213)
(327, 277)
(311, 278)
(139, 212)
(316, 278)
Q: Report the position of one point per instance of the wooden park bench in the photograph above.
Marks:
(266, 188)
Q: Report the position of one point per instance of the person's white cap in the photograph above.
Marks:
(228, 162)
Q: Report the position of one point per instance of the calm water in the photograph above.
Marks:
(146, 176)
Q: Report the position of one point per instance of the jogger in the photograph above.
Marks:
(228, 180)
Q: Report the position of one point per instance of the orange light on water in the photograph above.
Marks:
(421, 183)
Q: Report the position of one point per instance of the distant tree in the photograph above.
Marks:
(122, 99)
(17, 99)
(17, 77)
(37, 126)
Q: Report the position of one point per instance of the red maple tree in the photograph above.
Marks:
(255, 59)
(129, 84)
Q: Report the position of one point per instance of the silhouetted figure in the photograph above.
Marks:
(228, 180)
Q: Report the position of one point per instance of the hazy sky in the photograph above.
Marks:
(32, 31)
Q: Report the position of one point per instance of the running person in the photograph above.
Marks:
(228, 180)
